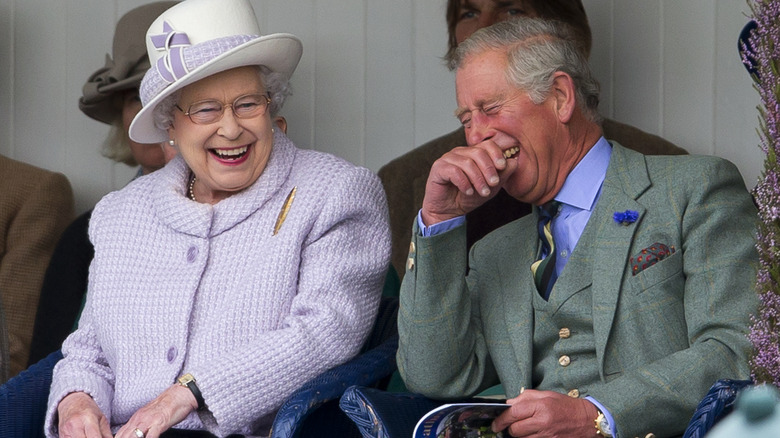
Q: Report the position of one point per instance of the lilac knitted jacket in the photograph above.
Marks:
(181, 287)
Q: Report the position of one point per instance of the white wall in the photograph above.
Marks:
(371, 84)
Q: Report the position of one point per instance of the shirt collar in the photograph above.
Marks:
(582, 186)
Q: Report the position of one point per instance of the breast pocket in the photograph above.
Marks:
(664, 270)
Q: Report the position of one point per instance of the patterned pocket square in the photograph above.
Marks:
(650, 256)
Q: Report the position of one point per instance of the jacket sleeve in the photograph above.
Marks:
(84, 366)
(31, 238)
(442, 352)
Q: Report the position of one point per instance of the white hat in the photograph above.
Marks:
(198, 38)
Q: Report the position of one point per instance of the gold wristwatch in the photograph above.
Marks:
(188, 381)
(602, 426)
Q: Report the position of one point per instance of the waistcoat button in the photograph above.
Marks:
(564, 333)
(564, 360)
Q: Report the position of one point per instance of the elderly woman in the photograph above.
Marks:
(242, 269)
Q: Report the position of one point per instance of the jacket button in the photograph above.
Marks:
(564, 360)
(411, 247)
(192, 254)
(574, 393)
(409, 264)
(564, 333)
(171, 354)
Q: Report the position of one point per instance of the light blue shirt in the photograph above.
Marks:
(578, 196)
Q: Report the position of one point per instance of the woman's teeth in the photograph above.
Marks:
(511, 152)
(230, 154)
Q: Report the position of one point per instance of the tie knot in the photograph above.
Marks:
(549, 210)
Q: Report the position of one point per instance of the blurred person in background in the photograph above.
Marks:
(35, 208)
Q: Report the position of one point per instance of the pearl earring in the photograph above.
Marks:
(170, 142)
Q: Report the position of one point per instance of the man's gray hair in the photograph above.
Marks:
(536, 49)
(276, 85)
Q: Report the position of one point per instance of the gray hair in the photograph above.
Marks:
(116, 145)
(276, 85)
(536, 49)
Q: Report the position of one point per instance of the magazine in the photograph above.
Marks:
(461, 420)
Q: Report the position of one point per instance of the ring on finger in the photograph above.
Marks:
(138, 433)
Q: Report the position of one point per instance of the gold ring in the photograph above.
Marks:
(522, 390)
(138, 433)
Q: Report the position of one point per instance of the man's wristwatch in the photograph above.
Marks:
(602, 426)
(189, 382)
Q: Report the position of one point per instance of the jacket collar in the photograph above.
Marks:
(172, 206)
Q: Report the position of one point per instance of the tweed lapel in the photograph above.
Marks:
(626, 180)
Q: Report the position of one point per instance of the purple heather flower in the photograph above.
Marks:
(765, 326)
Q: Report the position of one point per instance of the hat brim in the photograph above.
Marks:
(103, 108)
(279, 52)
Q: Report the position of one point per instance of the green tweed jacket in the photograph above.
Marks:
(662, 336)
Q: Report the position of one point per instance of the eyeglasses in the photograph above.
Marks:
(247, 106)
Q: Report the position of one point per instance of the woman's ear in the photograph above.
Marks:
(281, 122)
(564, 92)
(172, 137)
(169, 150)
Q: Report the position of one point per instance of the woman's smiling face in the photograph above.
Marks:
(230, 154)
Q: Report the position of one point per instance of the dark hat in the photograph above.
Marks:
(747, 50)
(126, 68)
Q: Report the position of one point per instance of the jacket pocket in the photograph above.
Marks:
(659, 272)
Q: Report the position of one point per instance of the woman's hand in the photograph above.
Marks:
(80, 416)
(162, 413)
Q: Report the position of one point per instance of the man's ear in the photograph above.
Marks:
(281, 122)
(564, 94)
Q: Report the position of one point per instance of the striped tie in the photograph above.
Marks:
(543, 270)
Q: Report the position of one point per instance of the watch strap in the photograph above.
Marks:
(189, 381)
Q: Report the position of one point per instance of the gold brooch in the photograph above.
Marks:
(285, 208)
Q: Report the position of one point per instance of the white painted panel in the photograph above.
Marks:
(299, 18)
(736, 117)
(637, 59)
(40, 97)
(688, 74)
(389, 95)
(6, 77)
(434, 85)
(600, 19)
(340, 79)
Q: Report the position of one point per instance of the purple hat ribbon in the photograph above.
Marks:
(171, 66)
